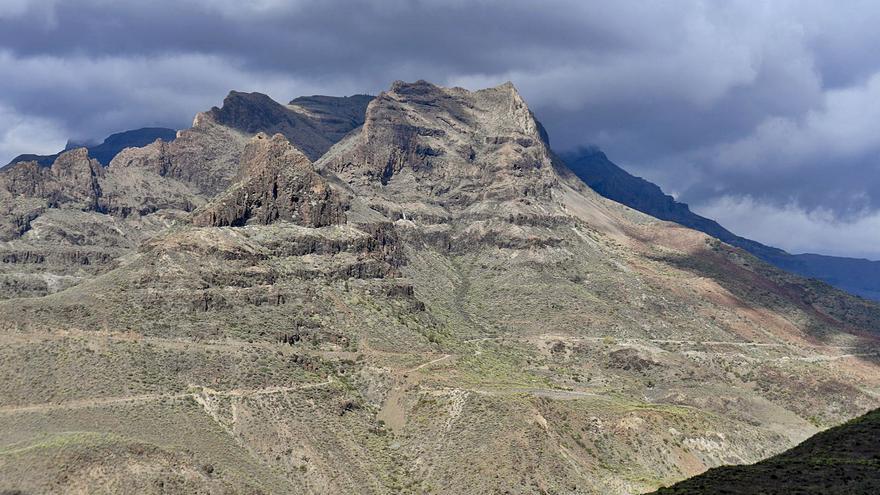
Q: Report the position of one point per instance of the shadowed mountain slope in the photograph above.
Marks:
(842, 460)
(312, 124)
(858, 276)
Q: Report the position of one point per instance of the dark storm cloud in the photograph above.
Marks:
(737, 107)
(327, 38)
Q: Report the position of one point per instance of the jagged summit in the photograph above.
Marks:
(249, 112)
(71, 180)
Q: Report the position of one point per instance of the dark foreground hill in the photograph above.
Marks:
(844, 460)
(857, 276)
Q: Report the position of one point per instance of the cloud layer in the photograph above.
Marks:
(744, 105)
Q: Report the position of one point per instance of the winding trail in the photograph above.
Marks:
(129, 399)
(429, 363)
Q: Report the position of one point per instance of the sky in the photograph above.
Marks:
(761, 115)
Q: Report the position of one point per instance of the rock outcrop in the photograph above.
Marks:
(276, 182)
(71, 181)
(27, 189)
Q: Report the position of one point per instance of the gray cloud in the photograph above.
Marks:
(762, 104)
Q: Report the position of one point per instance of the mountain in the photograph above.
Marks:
(435, 303)
(842, 460)
(51, 240)
(857, 276)
(109, 148)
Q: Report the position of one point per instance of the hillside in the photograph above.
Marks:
(857, 276)
(842, 460)
(432, 304)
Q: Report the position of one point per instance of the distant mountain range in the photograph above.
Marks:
(857, 276)
(842, 460)
(109, 148)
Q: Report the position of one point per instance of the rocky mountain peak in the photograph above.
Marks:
(267, 154)
(463, 145)
(107, 149)
(76, 159)
(276, 181)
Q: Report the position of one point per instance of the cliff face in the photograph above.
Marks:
(436, 303)
(72, 180)
(28, 188)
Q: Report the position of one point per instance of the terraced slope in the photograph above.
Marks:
(435, 305)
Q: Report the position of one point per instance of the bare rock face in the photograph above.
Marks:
(79, 178)
(459, 145)
(276, 182)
